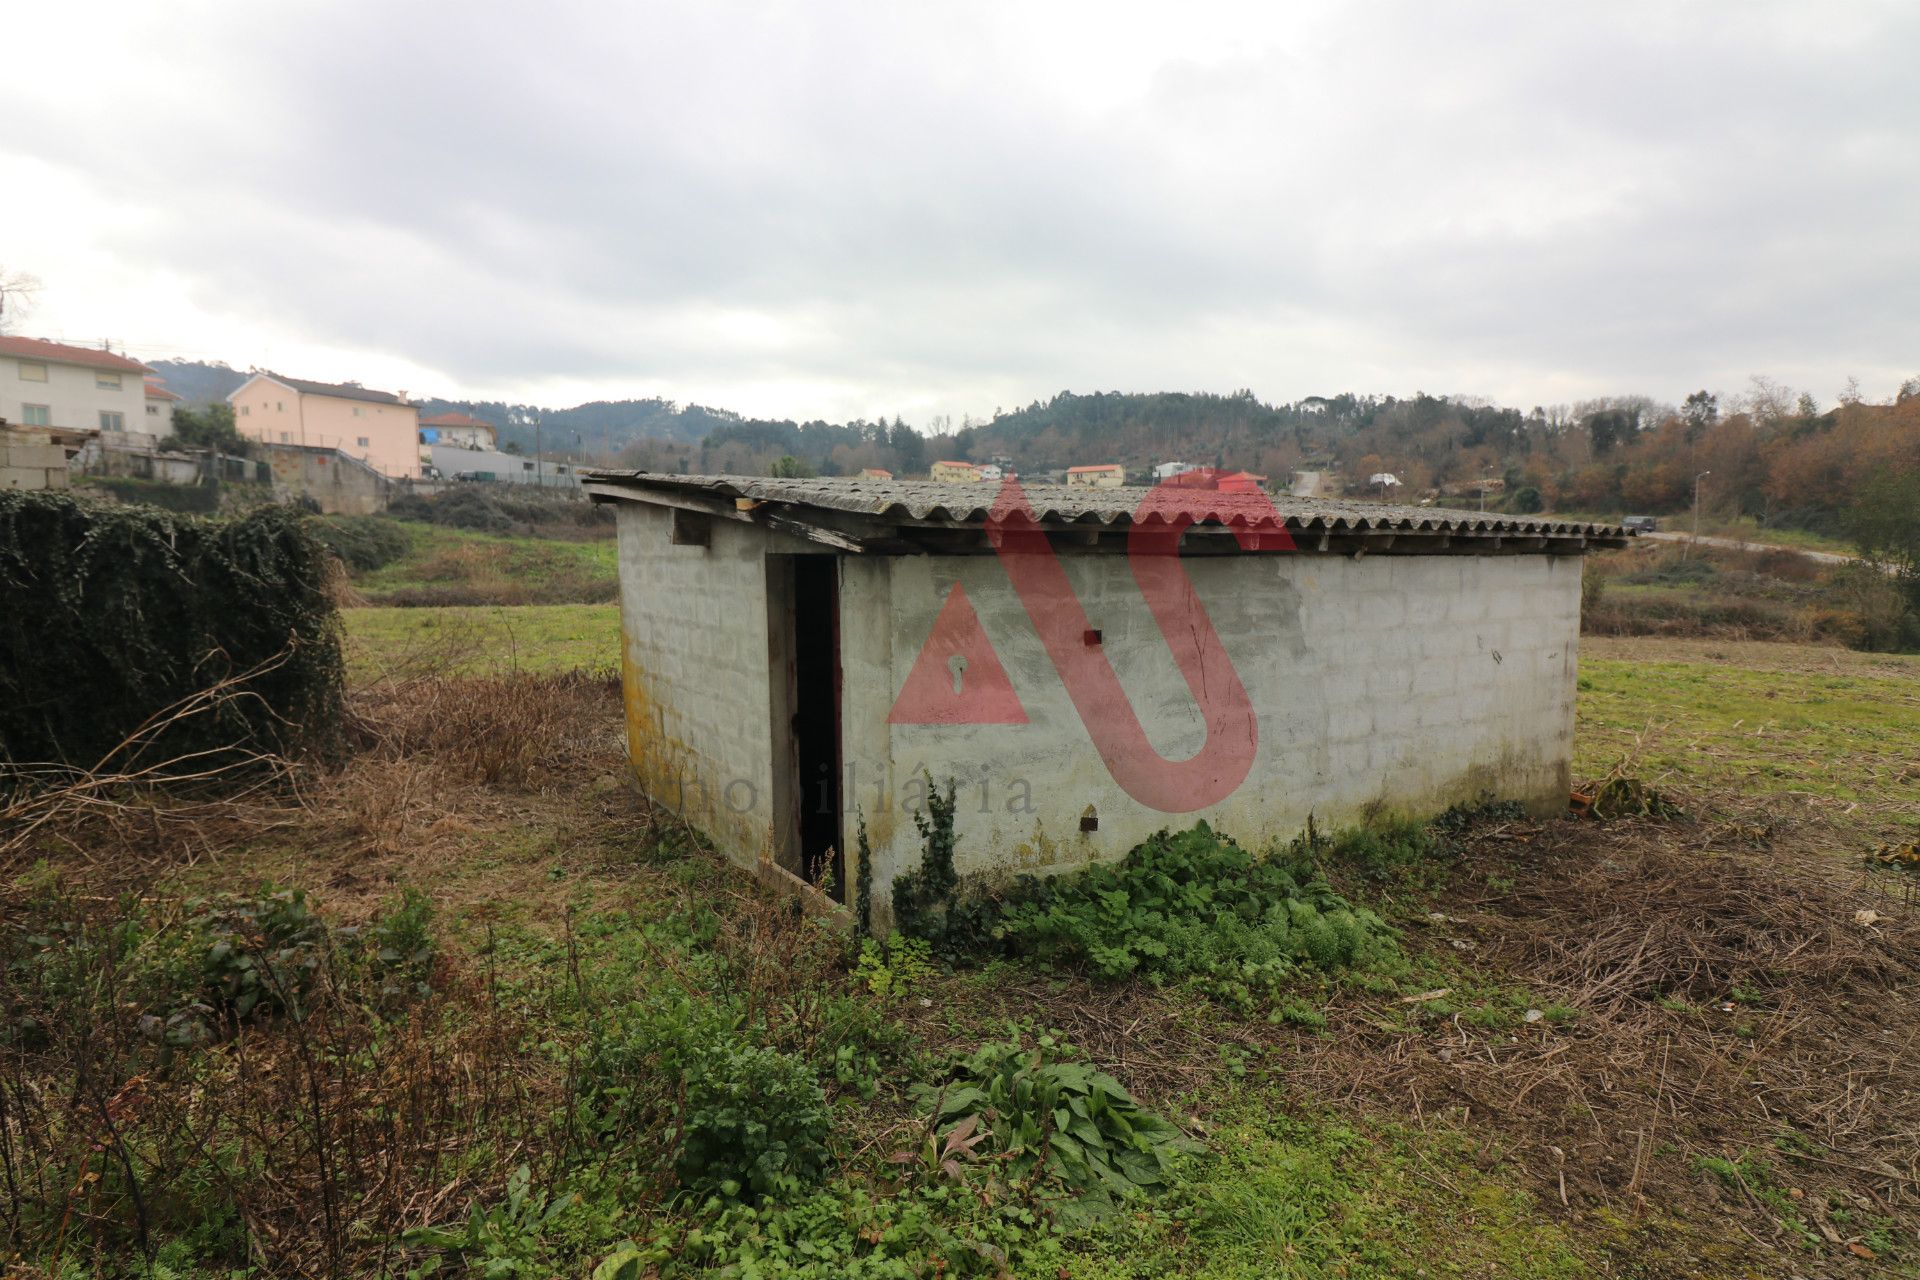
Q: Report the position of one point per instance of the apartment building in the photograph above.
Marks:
(378, 427)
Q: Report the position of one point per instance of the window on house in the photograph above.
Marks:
(112, 421)
(356, 412)
(286, 437)
(153, 411)
(279, 406)
(245, 410)
(363, 442)
(32, 371)
(107, 381)
(36, 415)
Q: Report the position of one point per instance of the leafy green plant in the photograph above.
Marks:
(896, 967)
(403, 948)
(935, 1228)
(505, 1242)
(1051, 1118)
(922, 897)
(1386, 850)
(263, 952)
(1195, 907)
(755, 1123)
(863, 884)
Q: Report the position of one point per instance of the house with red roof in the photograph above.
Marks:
(160, 403)
(68, 388)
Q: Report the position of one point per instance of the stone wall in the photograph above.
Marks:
(340, 485)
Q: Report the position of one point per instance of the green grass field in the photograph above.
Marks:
(458, 567)
(1838, 728)
(482, 640)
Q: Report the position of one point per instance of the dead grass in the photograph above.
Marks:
(1638, 935)
(1720, 1002)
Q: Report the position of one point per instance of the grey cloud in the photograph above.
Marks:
(932, 208)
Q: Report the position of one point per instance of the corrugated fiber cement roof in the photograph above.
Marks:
(928, 501)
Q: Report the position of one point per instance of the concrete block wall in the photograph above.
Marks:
(1382, 685)
(698, 675)
(1387, 684)
(28, 461)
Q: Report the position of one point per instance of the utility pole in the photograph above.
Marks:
(1696, 505)
(539, 480)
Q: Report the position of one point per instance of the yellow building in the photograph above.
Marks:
(1107, 475)
(956, 472)
(377, 427)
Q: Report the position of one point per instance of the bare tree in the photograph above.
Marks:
(18, 290)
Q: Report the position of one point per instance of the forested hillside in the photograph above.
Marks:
(1774, 454)
(198, 382)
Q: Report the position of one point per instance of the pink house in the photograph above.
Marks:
(377, 427)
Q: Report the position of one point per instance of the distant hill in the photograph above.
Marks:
(603, 426)
(599, 427)
(197, 382)
(1780, 460)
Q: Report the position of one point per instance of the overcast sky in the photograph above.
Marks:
(829, 209)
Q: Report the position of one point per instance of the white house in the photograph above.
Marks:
(459, 429)
(160, 403)
(50, 384)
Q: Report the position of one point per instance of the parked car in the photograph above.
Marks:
(1640, 524)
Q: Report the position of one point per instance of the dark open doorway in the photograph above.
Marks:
(816, 719)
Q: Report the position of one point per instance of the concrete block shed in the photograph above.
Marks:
(1086, 667)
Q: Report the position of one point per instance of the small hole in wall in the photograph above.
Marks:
(1092, 637)
(1089, 821)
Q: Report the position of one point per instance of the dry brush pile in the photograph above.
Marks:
(1664, 1030)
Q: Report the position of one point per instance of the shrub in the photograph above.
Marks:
(1194, 907)
(499, 508)
(186, 976)
(363, 543)
(187, 499)
(152, 609)
(755, 1123)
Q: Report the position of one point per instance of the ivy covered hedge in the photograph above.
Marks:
(111, 614)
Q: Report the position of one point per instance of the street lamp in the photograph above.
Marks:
(1696, 504)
